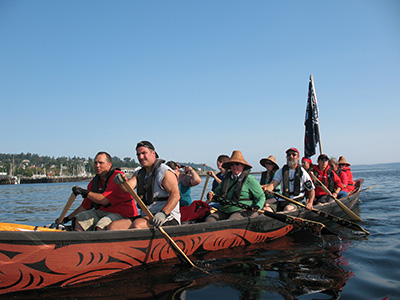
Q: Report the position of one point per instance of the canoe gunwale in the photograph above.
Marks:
(174, 231)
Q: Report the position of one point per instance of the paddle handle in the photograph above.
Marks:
(66, 208)
(136, 197)
(178, 251)
(313, 227)
(347, 210)
(205, 187)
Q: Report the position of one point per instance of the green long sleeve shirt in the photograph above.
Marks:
(251, 191)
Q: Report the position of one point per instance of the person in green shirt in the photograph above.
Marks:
(238, 185)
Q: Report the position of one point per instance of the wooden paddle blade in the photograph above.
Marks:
(347, 211)
(313, 227)
(66, 208)
(363, 190)
(338, 220)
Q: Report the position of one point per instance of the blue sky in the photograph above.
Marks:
(199, 78)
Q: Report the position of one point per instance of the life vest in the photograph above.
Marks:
(96, 186)
(329, 173)
(237, 185)
(350, 183)
(285, 182)
(264, 177)
(145, 185)
(267, 180)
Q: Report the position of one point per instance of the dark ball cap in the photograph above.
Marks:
(323, 156)
(146, 144)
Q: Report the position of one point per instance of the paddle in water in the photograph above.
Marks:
(178, 251)
(325, 215)
(304, 224)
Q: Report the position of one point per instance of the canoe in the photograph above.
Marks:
(32, 259)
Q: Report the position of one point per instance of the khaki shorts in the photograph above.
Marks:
(280, 205)
(89, 219)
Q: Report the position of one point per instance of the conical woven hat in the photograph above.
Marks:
(342, 160)
(236, 156)
(270, 158)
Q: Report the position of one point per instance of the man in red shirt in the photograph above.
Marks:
(104, 201)
(328, 177)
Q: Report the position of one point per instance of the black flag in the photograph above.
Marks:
(311, 123)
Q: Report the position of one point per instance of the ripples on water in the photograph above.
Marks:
(300, 266)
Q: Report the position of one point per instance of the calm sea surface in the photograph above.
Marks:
(300, 266)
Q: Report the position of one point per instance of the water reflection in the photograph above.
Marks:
(286, 268)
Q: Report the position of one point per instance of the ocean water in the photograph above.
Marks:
(299, 266)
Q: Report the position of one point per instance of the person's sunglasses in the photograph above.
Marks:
(291, 154)
(235, 164)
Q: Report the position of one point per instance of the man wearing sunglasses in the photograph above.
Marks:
(294, 181)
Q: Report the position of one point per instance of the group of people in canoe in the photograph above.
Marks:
(109, 205)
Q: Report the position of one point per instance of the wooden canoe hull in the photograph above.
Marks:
(30, 260)
(34, 259)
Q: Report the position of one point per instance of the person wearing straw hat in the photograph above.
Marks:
(334, 164)
(238, 185)
(344, 166)
(294, 181)
(266, 177)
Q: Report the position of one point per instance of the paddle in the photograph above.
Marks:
(66, 208)
(327, 216)
(178, 252)
(205, 187)
(363, 190)
(347, 210)
(310, 226)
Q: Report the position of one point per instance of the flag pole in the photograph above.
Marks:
(319, 130)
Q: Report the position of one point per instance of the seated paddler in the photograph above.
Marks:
(237, 186)
(295, 183)
(157, 186)
(104, 202)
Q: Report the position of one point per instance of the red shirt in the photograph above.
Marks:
(121, 202)
(344, 179)
(350, 182)
(323, 177)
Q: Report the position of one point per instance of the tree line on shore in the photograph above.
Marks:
(28, 165)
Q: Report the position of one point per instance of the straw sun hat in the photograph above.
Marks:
(237, 157)
(342, 160)
(271, 159)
